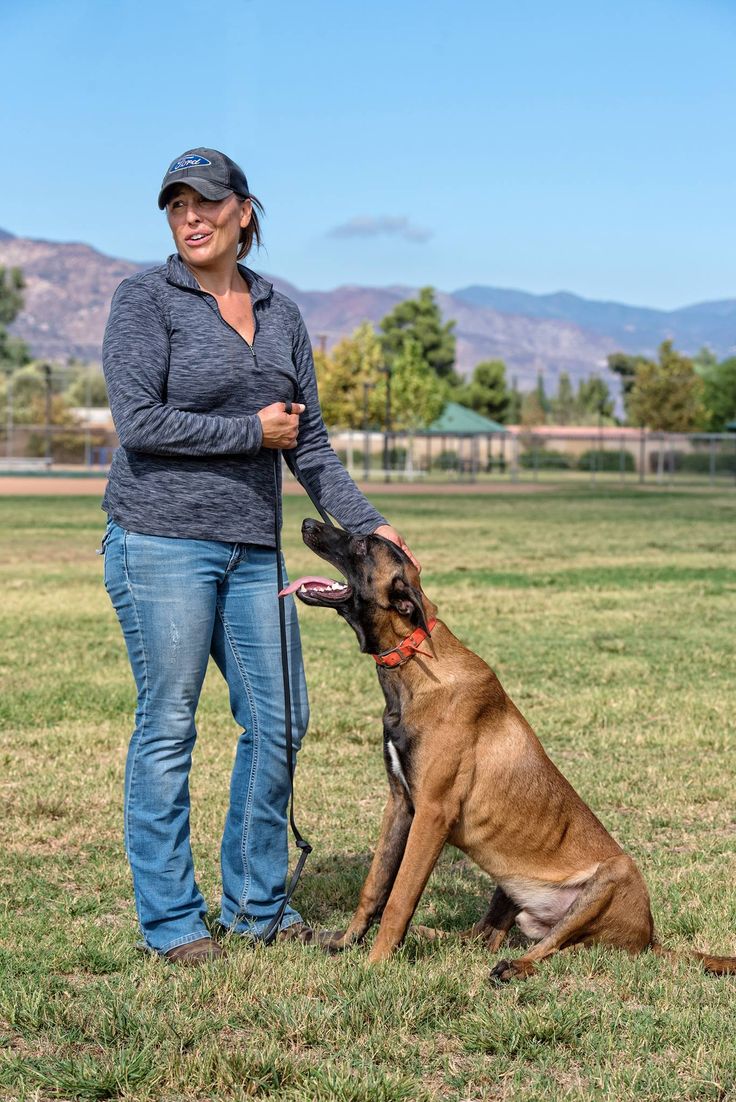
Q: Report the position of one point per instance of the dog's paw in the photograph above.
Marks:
(332, 942)
(502, 973)
(507, 970)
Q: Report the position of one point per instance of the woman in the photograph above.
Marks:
(200, 357)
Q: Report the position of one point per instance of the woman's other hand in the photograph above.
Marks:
(280, 429)
(389, 533)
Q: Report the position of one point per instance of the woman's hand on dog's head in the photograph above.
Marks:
(389, 533)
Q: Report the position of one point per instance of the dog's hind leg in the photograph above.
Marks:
(496, 922)
(397, 819)
(611, 909)
(491, 929)
(430, 933)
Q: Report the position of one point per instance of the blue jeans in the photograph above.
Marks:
(178, 601)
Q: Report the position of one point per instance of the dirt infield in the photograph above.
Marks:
(58, 485)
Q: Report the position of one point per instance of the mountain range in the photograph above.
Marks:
(69, 286)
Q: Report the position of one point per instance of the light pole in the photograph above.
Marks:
(367, 388)
(88, 401)
(597, 456)
(387, 473)
(9, 425)
(47, 428)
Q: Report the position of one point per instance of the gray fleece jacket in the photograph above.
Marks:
(185, 389)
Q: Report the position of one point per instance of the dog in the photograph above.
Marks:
(465, 767)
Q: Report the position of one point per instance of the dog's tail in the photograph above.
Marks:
(717, 966)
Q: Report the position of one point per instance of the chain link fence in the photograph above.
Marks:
(550, 454)
(608, 455)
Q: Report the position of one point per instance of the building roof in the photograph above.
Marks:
(459, 419)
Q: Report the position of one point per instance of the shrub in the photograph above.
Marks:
(342, 455)
(597, 460)
(699, 463)
(693, 462)
(446, 461)
(396, 457)
(66, 447)
(545, 459)
(497, 462)
(671, 460)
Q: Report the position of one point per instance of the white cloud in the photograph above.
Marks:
(384, 224)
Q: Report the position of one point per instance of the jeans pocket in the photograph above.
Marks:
(106, 536)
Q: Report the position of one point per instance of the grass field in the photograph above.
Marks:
(610, 619)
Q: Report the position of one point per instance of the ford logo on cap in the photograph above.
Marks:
(188, 162)
(206, 170)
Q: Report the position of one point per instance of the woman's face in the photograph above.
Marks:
(206, 231)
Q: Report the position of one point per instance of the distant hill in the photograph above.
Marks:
(67, 296)
(636, 328)
(69, 287)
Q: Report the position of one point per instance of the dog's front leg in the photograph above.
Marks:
(428, 834)
(395, 828)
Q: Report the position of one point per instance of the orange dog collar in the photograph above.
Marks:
(406, 649)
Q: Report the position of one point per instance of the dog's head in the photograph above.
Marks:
(381, 597)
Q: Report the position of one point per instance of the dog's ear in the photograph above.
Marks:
(407, 600)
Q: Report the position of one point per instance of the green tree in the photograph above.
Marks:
(356, 360)
(88, 388)
(11, 294)
(420, 319)
(564, 407)
(13, 352)
(418, 395)
(542, 395)
(594, 402)
(513, 416)
(532, 410)
(667, 396)
(487, 392)
(625, 366)
(29, 394)
(705, 360)
(719, 394)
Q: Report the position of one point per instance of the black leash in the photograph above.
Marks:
(301, 843)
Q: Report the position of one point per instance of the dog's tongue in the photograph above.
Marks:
(292, 588)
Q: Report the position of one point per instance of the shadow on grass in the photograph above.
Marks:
(456, 898)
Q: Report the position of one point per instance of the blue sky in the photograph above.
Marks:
(543, 146)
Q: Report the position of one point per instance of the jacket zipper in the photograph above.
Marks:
(216, 308)
(252, 347)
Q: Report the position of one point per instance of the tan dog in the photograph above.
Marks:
(465, 767)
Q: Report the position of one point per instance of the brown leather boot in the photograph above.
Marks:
(201, 951)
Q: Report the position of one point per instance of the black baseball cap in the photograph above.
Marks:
(208, 171)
